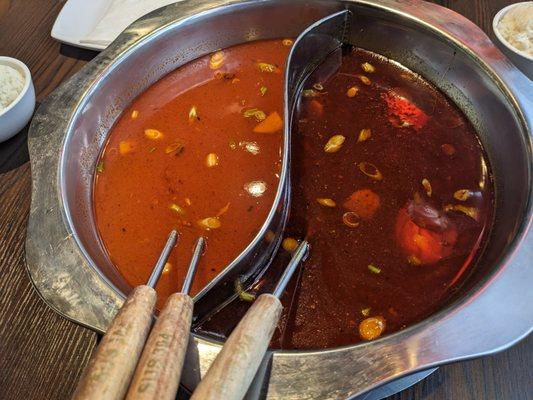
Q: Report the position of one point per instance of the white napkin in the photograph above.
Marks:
(119, 15)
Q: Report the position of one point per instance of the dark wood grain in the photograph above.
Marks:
(41, 354)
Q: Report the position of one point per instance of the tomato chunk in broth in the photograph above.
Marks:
(391, 187)
(199, 151)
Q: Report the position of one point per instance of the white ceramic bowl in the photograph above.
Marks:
(522, 60)
(19, 112)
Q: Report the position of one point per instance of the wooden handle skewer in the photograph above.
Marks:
(234, 368)
(111, 367)
(159, 370)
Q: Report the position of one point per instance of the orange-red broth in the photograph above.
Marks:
(203, 142)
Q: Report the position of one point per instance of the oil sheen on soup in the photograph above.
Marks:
(393, 191)
(199, 152)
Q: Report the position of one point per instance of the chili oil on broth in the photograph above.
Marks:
(393, 191)
(199, 151)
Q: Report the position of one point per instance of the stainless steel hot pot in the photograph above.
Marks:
(493, 310)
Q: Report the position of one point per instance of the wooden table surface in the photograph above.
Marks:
(41, 354)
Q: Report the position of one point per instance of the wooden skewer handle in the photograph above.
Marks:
(158, 373)
(111, 367)
(234, 368)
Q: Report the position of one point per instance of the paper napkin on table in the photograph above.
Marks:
(119, 15)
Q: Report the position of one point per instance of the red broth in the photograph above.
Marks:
(390, 186)
(199, 151)
(394, 193)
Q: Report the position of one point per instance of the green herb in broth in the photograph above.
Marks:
(243, 295)
(100, 167)
(375, 270)
(259, 115)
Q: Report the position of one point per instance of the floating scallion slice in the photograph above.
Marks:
(427, 186)
(367, 67)
(351, 219)
(254, 113)
(364, 135)
(174, 207)
(375, 270)
(265, 67)
(334, 144)
(211, 160)
(352, 92)
(471, 212)
(153, 134)
(193, 114)
(216, 60)
(209, 223)
(167, 268)
(243, 295)
(462, 194)
(176, 148)
(250, 147)
(100, 167)
(318, 86)
(370, 170)
(310, 93)
(326, 202)
(365, 80)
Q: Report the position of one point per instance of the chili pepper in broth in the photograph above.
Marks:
(403, 113)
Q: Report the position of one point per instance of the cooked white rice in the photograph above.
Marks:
(11, 84)
(516, 27)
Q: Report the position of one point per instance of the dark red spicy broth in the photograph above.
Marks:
(392, 189)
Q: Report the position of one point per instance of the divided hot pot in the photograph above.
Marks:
(72, 272)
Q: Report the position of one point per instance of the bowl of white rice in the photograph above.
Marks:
(17, 97)
(513, 27)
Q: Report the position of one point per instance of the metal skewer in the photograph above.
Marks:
(111, 367)
(160, 264)
(198, 248)
(234, 368)
(159, 370)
